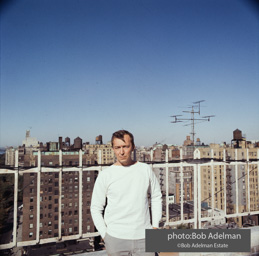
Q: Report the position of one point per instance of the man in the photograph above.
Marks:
(125, 184)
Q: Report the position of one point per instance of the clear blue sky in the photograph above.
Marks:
(89, 67)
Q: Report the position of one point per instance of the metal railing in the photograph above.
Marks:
(196, 164)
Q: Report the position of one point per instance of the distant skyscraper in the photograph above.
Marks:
(29, 141)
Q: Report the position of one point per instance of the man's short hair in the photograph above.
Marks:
(120, 135)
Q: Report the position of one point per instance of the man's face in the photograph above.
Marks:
(122, 150)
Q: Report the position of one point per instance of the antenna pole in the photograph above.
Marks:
(192, 120)
(193, 132)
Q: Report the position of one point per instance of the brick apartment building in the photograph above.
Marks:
(49, 195)
(59, 203)
(49, 204)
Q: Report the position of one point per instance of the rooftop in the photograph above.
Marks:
(196, 219)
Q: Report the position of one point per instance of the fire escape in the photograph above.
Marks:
(230, 206)
(161, 175)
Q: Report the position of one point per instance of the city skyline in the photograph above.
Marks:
(93, 141)
(84, 68)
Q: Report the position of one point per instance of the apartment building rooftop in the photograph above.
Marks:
(240, 160)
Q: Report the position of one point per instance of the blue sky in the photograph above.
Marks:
(89, 67)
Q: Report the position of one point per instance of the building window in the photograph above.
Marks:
(31, 225)
(30, 234)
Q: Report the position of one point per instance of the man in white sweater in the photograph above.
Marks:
(126, 185)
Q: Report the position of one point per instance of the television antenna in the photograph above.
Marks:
(195, 109)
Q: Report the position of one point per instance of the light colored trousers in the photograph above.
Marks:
(123, 247)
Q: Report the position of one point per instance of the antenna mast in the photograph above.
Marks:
(192, 120)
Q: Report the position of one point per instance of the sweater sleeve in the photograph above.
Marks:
(156, 200)
(98, 203)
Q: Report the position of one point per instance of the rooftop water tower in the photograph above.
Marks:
(99, 140)
(237, 138)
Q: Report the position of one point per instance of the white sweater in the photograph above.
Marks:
(127, 213)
